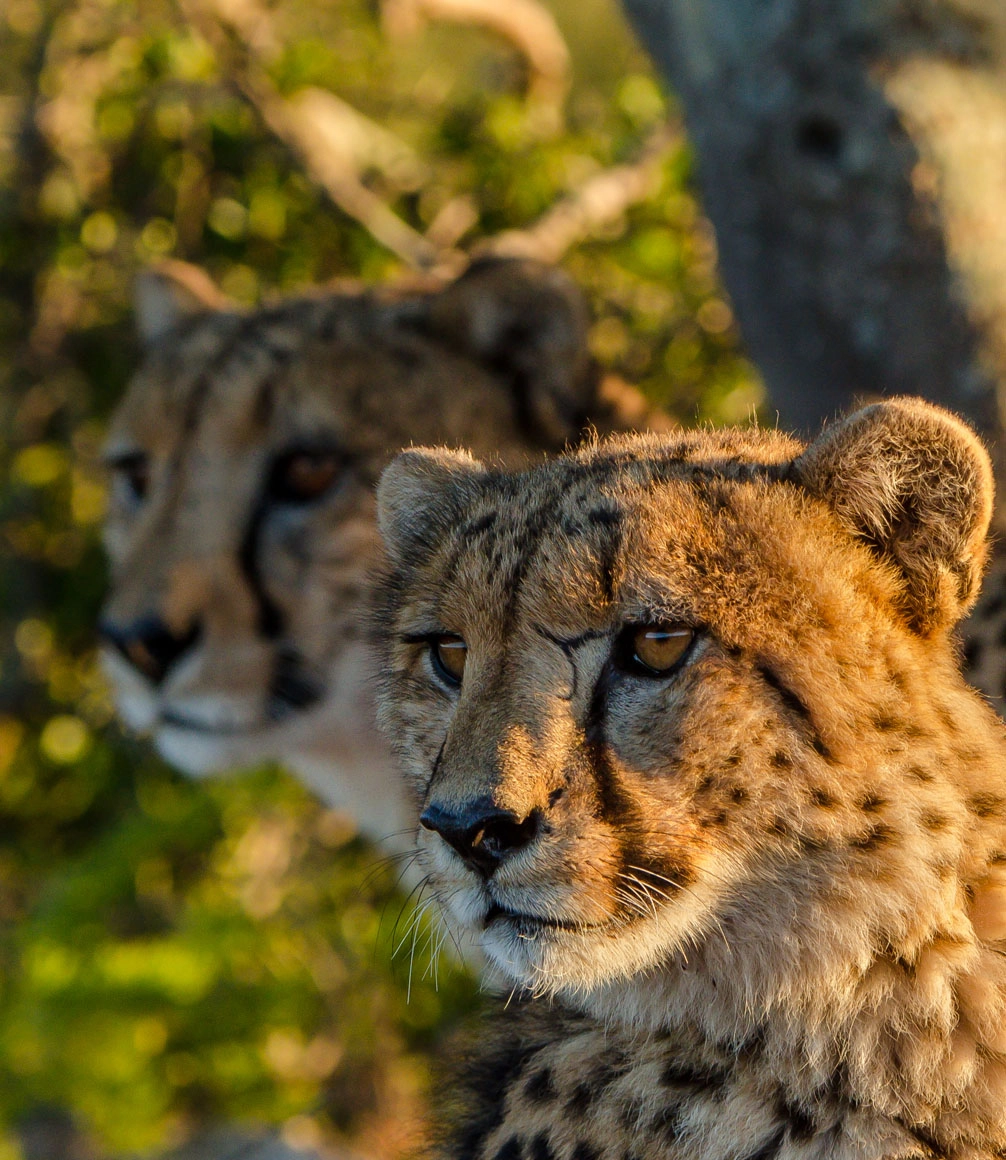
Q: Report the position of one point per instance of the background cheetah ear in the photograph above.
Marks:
(166, 294)
(916, 484)
(530, 322)
(420, 493)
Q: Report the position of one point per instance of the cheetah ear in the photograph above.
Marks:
(528, 321)
(916, 484)
(166, 294)
(420, 493)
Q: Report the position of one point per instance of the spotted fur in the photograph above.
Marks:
(233, 624)
(754, 909)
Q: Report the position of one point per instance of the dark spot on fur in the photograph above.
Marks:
(482, 524)
(821, 797)
(935, 821)
(967, 754)
(610, 1068)
(871, 803)
(919, 773)
(629, 1113)
(706, 784)
(511, 1149)
(738, 795)
(905, 965)
(770, 1148)
(985, 805)
(781, 760)
(813, 843)
(540, 1087)
(934, 1151)
(781, 827)
(667, 1124)
(785, 694)
(607, 516)
(751, 1048)
(585, 1151)
(541, 1149)
(580, 1100)
(947, 718)
(821, 749)
(874, 838)
(800, 1125)
(886, 722)
(679, 1075)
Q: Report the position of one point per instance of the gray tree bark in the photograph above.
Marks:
(852, 159)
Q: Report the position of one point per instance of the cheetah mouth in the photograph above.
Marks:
(526, 925)
(172, 720)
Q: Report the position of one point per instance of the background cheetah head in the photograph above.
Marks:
(242, 524)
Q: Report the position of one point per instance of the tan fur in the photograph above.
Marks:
(761, 910)
(497, 359)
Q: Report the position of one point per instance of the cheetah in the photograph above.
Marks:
(241, 523)
(689, 749)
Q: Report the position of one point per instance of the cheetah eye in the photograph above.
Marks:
(449, 653)
(653, 650)
(303, 474)
(133, 468)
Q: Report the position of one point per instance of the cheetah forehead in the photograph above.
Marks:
(903, 480)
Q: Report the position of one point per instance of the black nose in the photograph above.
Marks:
(149, 645)
(482, 833)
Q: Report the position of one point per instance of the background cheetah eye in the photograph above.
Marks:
(133, 469)
(304, 474)
(449, 654)
(654, 650)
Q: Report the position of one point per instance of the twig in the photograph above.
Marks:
(528, 26)
(305, 124)
(601, 201)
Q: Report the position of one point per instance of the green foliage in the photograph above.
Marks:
(173, 951)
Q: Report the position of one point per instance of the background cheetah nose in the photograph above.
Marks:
(149, 645)
(482, 833)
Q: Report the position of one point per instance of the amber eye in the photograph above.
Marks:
(654, 650)
(449, 653)
(304, 475)
(134, 470)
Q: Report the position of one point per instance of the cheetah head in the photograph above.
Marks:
(690, 704)
(244, 457)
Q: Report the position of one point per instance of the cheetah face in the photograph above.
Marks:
(648, 695)
(243, 459)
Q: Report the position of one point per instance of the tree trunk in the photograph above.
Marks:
(852, 157)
